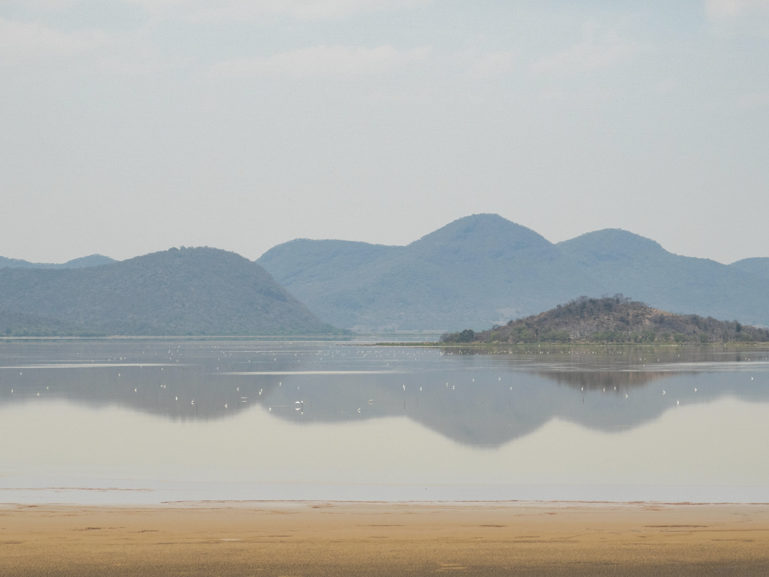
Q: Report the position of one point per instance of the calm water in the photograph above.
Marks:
(146, 421)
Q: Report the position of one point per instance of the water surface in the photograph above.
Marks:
(145, 421)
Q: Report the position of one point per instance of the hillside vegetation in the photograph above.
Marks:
(616, 319)
(476, 272)
(483, 270)
(192, 291)
(473, 272)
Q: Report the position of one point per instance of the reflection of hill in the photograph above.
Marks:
(595, 380)
(472, 399)
(177, 392)
(607, 355)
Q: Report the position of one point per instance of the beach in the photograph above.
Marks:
(317, 538)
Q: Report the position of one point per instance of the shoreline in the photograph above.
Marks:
(372, 538)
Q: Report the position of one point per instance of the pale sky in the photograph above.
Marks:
(132, 126)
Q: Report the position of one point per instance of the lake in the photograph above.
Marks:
(154, 420)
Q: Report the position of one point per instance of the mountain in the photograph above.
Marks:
(86, 261)
(14, 262)
(478, 270)
(755, 266)
(625, 263)
(189, 291)
(305, 262)
(82, 262)
(612, 319)
(483, 270)
(475, 272)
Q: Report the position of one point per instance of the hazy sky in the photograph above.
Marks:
(136, 125)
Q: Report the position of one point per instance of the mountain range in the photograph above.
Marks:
(476, 272)
(82, 262)
(483, 270)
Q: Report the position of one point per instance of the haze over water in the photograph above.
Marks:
(146, 421)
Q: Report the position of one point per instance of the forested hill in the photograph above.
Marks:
(472, 272)
(192, 291)
(476, 272)
(483, 270)
(614, 319)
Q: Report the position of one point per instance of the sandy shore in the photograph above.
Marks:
(367, 539)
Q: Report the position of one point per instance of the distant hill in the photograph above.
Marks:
(614, 319)
(625, 263)
(193, 291)
(86, 261)
(483, 270)
(82, 262)
(755, 266)
(14, 262)
(475, 271)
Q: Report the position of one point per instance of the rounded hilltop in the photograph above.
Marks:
(612, 319)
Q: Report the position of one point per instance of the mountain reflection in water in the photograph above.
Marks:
(474, 399)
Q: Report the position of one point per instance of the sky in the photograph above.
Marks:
(131, 126)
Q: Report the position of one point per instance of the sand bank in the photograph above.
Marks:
(384, 539)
